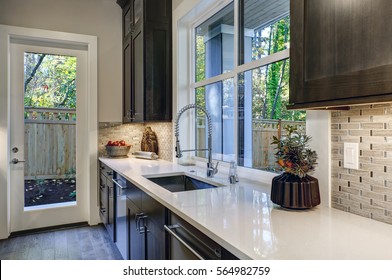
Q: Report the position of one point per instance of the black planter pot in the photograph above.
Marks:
(294, 192)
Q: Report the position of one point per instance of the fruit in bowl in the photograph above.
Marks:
(117, 148)
(117, 143)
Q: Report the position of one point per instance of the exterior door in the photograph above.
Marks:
(47, 169)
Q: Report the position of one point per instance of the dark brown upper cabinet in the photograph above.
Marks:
(340, 52)
(147, 60)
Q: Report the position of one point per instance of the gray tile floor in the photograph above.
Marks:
(81, 243)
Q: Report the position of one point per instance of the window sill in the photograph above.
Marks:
(243, 172)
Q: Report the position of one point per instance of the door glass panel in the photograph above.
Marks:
(50, 128)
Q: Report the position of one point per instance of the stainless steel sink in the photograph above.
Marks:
(181, 183)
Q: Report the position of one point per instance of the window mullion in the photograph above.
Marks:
(275, 57)
(214, 79)
(235, 78)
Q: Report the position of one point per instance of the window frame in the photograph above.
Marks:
(185, 19)
(237, 68)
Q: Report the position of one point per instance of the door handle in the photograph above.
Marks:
(116, 181)
(170, 230)
(15, 161)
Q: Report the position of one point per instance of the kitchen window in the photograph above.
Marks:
(241, 75)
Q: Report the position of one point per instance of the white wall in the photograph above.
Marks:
(176, 3)
(101, 18)
(318, 127)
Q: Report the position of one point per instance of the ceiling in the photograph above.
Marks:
(258, 13)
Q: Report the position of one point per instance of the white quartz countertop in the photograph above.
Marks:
(243, 219)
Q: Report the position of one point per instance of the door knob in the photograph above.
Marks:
(15, 161)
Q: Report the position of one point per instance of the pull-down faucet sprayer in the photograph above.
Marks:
(211, 170)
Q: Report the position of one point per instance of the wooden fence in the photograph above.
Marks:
(50, 143)
(263, 132)
(263, 153)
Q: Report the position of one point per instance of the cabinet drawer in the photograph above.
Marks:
(103, 204)
(106, 171)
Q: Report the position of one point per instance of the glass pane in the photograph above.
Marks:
(50, 128)
(215, 44)
(218, 99)
(264, 29)
(262, 98)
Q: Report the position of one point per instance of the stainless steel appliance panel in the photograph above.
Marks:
(121, 215)
(188, 243)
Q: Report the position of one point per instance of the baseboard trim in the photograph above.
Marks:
(47, 229)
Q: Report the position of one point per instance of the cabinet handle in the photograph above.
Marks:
(130, 115)
(137, 221)
(102, 187)
(140, 218)
(102, 210)
(170, 230)
(109, 173)
(111, 191)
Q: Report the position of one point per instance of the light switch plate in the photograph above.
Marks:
(351, 155)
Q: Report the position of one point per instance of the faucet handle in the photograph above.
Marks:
(216, 167)
(211, 170)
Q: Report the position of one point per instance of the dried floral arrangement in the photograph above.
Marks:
(293, 152)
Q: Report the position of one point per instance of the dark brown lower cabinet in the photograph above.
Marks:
(155, 241)
(146, 236)
(135, 232)
(106, 200)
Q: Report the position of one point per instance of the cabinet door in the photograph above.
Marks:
(158, 61)
(155, 234)
(103, 199)
(137, 82)
(127, 81)
(127, 21)
(147, 66)
(158, 91)
(155, 241)
(135, 233)
(137, 13)
(339, 52)
(111, 209)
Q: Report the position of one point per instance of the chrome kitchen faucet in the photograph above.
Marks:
(211, 170)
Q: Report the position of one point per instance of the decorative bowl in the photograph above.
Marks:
(118, 151)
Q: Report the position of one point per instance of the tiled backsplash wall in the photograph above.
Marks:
(133, 133)
(367, 191)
